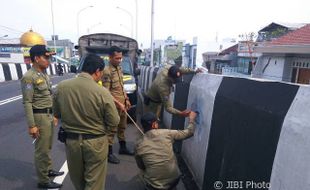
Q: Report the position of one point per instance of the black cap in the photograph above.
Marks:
(38, 50)
(173, 72)
(148, 118)
(115, 49)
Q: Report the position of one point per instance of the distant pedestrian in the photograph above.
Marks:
(60, 69)
(88, 114)
(37, 100)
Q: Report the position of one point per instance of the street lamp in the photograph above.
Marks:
(131, 17)
(54, 37)
(4, 36)
(92, 26)
(137, 20)
(77, 19)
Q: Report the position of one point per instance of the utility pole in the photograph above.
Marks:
(54, 37)
(152, 34)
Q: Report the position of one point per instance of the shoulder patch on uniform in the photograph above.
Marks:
(27, 86)
(28, 81)
(39, 81)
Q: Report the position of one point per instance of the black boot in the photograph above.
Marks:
(49, 185)
(111, 157)
(123, 149)
(53, 173)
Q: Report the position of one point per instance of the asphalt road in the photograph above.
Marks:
(17, 170)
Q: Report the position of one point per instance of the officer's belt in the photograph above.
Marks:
(44, 110)
(154, 101)
(84, 136)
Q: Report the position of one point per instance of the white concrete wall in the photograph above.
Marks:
(14, 74)
(53, 68)
(1, 74)
(13, 71)
(274, 71)
(291, 168)
(24, 68)
(202, 91)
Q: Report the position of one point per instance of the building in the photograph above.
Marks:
(286, 58)
(216, 62)
(64, 47)
(17, 50)
(276, 30)
(15, 57)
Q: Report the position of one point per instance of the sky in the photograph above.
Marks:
(208, 20)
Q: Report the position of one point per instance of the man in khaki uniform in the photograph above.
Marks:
(37, 100)
(113, 81)
(87, 114)
(160, 90)
(154, 153)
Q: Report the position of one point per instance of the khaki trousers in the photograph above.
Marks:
(87, 162)
(43, 146)
(120, 130)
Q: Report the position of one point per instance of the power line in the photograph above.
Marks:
(11, 29)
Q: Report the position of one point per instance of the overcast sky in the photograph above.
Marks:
(181, 19)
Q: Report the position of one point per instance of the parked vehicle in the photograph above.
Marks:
(100, 44)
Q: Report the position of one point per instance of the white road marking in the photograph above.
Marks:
(6, 101)
(60, 179)
(2, 102)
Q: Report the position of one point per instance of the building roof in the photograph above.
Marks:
(233, 48)
(300, 36)
(289, 26)
(32, 38)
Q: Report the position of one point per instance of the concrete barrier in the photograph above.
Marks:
(145, 79)
(241, 140)
(251, 134)
(203, 90)
(291, 166)
(15, 71)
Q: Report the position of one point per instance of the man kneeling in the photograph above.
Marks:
(154, 153)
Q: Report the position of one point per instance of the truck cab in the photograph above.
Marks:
(100, 44)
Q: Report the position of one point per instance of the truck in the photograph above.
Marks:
(100, 43)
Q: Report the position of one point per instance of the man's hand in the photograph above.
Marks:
(121, 106)
(192, 116)
(185, 113)
(34, 132)
(55, 119)
(199, 70)
(128, 104)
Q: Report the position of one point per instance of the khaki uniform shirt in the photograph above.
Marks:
(112, 80)
(84, 107)
(155, 157)
(37, 93)
(161, 89)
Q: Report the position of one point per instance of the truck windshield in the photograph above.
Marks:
(126, 64)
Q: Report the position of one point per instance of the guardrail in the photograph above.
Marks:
(15, 71)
